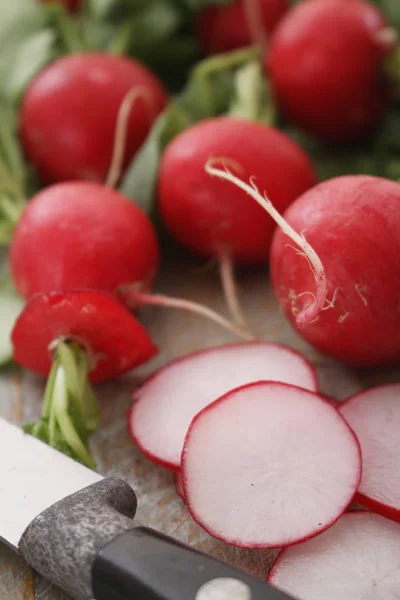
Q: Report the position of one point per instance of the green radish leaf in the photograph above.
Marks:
(197, 5)
(140, 179)
(31, 57)
(18, 20)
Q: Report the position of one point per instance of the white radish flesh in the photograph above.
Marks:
(179, 485)
(268, 465)
(167, 403)
(357, 559)
(374, 416)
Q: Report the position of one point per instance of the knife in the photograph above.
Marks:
(76, 529)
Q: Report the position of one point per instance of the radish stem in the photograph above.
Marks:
(70, 411)
(257, 33)
(121, 132)
(135, 298)
(308, 314)
(64, 421)
(230, 290)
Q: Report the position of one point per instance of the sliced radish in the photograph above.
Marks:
(268, 465)
(168, 401)
(374, 416)
(179, 485)
(116, 341)
(357, 559)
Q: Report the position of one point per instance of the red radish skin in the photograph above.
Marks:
(269, 465)
(179, 485)
(225, 28)
(69, 114)
(165, 405)
(112, 336)
(357, 559)
(353, 224)
(82, 235)
(326, 66)
(206, 215)
(374, 416)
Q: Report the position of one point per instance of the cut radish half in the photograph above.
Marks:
(374, 416)
(268, 465)
(179, 485)
(168, 401)
(116, 341)
(357, 559)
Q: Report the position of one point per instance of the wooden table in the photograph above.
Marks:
(176, 333)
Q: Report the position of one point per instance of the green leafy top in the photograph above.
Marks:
(70, 413)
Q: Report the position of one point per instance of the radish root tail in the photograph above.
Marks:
(136, 298)
(230, 290)
(121, 132)
(308, 314)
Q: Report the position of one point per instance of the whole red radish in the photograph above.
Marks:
(82, 235)
(326, 66)
(69, 114)
(353, 225)
(208, 216)
(73, 337)
(225, 28)
(269, 465)
(356, 559)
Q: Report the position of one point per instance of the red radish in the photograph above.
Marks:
(97, 321)
(226, 28)
(69, 113)
(374, 416)
(353, 224)
(357, 559)
(210, 219)
(269, 465)
(82, 235)
(326, 66)
(179, 485)
(339, 285)
(206, 215)
(166, 404)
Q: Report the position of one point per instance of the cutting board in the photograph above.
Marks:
(176, 333)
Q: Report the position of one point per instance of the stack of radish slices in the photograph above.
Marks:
(264, 461)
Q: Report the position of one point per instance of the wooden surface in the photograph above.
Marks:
(176, 333)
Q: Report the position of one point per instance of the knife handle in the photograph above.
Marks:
(63, 541)
(142, 564)
(87, 545)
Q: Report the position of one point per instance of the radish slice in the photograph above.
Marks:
(374, 416)
(179, 485)
(357, 559)
(268, 465)
(167, 403)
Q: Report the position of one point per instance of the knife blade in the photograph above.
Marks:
(76, 529)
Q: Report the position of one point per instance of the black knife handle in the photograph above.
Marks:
(86, 544)
(63, 541)
(142, 564)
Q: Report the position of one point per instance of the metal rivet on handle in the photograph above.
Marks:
(224, 588)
